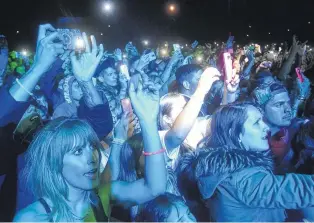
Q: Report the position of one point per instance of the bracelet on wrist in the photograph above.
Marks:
(162, 150)
(22, 86)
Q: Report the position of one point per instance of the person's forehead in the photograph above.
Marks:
(253, 114)
(280, 97)
(109, 69)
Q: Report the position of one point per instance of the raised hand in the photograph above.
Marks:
(176, 57)
(209, 76)
(145, 101)
(47, 51)
(131, 49)
(118, 54)
(122, 127)
(187, 60)
(304, 87)
(233, 84)
(298, 47)
(85, 65)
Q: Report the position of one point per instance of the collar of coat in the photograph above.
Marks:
(214, 165)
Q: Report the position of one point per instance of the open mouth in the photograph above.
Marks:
(267, 136)
(92, 173)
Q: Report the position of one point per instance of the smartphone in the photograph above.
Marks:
(299, 74)
(125, 71)
(126, 105)
(176, 47)
(228, 66)
(71, 38)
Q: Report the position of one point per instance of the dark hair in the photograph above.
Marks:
(227, 124)
(129, 158)
(215, 95)
(133, 59)
(159, 209)
(184, 72)
(258, 80)
(110, 62)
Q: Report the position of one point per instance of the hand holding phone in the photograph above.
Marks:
(145, 60)
(299, 74)
(125, 71)
(176, 47)
(71, 39)
(126, 105)
(228, 66)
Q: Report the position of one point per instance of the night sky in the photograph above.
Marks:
(135, 20)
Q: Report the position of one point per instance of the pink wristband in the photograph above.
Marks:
(154, 153)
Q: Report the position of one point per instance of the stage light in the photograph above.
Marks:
(269, 33)
(124, 56)
(186, 45)
(199, 59)
(250, 27)
(247, 35)
(172, 8)
(164, 52)
(101, 34)
(288, 30)
(166, 45)
(108, 7)
(17, 32)
(109, 26)
(146, 42)
(309, 22)
(24, 52)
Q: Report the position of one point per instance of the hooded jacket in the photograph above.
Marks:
(239, 185)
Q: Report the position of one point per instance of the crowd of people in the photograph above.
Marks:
(218, 132)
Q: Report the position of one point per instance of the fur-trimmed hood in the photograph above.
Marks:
(216, 164)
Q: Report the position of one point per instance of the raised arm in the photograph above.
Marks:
(263, 189)
(46, 53)
(186, 119)
(286, 67)
(146, 105)
(84, 68)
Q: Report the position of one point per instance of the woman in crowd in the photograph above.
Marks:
(234, 170)
(66, 178)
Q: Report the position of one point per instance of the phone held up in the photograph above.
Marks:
(299, 74)
(71, 39)
(126, 105)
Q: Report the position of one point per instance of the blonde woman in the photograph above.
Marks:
(63, 163)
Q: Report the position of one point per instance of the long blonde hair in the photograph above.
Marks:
(44, 161)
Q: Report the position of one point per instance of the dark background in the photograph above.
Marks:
(136, 20)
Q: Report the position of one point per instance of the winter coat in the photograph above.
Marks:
(239, 185)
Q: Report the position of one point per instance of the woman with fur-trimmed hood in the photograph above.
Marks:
(234, 171)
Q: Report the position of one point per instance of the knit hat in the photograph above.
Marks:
(265, 93)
